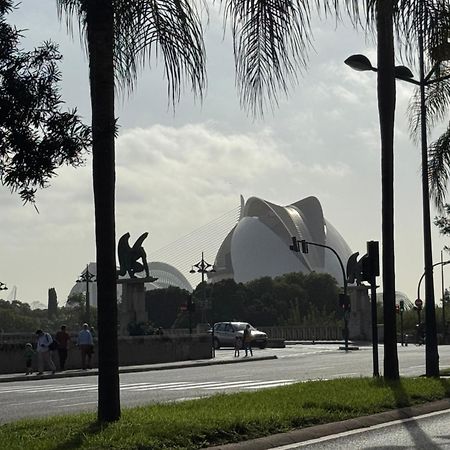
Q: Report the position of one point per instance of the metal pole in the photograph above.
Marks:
(373, 304)
(88, 304)
(346, 332)
(431, 350)
(443, 298)
(402, 340)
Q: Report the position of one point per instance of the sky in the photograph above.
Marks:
(177, 171)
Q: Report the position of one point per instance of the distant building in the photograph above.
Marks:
(167, 276)
(258, 245)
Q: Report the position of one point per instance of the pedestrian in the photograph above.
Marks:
(62, 338)
(237, 345)
(86, 345)
(28, 355)
(44, 341)
(248, 341)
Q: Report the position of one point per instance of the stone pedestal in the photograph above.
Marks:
(359, 324)
(133, 302)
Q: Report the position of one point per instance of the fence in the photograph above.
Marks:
(298, 333)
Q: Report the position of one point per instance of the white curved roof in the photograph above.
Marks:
(259, 244)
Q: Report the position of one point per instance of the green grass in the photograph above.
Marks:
(224, 418)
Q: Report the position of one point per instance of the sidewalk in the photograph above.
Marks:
(227, 358)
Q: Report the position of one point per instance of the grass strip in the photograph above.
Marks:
(224, 418)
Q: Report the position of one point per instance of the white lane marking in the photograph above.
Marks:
(253, 384)
(271, 384)
(210, 385)
(68, 405)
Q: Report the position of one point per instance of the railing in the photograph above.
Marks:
(305, 333)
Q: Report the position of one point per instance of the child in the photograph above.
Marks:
(237, 345)
(28, 354)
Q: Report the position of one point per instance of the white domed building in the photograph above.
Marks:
(258, 245)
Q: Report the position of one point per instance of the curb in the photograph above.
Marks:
(134, 369)
(319, 431)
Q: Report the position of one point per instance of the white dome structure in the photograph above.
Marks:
(259, 243)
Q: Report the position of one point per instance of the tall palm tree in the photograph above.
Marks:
(119, 36)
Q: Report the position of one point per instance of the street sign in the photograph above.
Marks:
(418, 303)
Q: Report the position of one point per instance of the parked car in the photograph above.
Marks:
(225, 334)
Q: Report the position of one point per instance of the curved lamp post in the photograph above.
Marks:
(87, 277)
(362, 63)
(302, 246)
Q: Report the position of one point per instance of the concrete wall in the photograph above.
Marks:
(134, 350)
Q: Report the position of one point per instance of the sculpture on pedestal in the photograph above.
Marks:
(128, 256)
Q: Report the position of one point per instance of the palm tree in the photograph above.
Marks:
(119, 37)
(271, 41)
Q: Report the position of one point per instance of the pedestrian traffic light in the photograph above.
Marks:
(344, 302)
(397, 309)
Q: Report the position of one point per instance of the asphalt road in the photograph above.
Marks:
(42, 397)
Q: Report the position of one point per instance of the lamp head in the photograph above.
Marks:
(403, 72)
(359, 62)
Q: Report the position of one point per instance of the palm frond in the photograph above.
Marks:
(428, 18)
(437, 101)
(439, 168)
(170, 29)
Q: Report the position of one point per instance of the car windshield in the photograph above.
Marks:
(241, 326)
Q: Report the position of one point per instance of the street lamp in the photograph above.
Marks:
(445, 295)
(362, 63)
(204, 267)
(87, 277)
(302, 246)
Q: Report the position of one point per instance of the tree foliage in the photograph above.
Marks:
(36, 135)
(291, 299)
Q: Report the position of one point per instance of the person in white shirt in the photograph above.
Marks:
(86, 345)
(44, 354)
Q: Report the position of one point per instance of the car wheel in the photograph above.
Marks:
(216, 344)
(263, 345)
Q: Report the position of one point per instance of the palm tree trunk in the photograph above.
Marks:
(100, 26)
(386, 109)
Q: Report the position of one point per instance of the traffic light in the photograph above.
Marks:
(294, 246)
(397, 309)
(402, 305)
(344, 302)
(304, 246)
(371, 262)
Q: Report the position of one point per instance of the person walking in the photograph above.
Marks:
(62, 338)
(86, 345)
(44, 341)
(237, 345)
(248, 341)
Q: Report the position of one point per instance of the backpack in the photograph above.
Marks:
(53, 345)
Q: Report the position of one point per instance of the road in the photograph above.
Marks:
(42, 397)
(427, 432)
